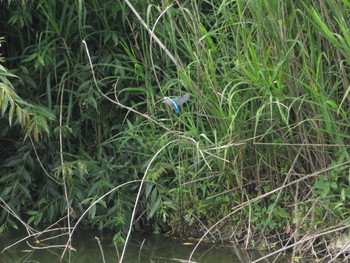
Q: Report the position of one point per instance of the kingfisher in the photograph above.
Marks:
(176, 102)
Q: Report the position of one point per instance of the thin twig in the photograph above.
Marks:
(65, 190)
(116, 248)
(204, 226)
(301, 144)
(143, 242)
(29, 229)
(288, 175)
(153, 35)
(249, 231)
(40, 163)
(116, 101)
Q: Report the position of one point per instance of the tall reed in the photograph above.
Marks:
(266, 125)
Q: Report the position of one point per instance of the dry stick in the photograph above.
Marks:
(143, 242)
(48, 229)
(301, 144)
(116, 248)
(15, 243)
(63, 174)
(204, 226)
(300, 242)
(30, 230)
(101, 249)
(10, 210)
(343, 250)
(138, 197)
(239, 207)
(295, 234)
(48, 247)
(53, 237)
(295, 197)
(249, 226)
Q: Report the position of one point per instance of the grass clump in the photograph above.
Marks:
(261, 146)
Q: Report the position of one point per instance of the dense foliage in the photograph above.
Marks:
(262, 142)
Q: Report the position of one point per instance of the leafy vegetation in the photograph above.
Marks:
(262, 142)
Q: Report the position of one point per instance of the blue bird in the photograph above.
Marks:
(176, 102)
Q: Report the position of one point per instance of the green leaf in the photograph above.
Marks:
(4, 72)
(5, 102)
(11, 113)
(323, 186)
(32, 213)
(154, 207)
(334, 185)
(25, 191)
(92, 212)
(41, 60)
(12, 223)
(30, 58)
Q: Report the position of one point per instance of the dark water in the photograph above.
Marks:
(141, 248)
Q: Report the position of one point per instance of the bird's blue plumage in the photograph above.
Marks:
(176, 102)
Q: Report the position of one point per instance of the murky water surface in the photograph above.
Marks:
(141, 248)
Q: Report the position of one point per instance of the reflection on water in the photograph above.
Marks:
(141, 248)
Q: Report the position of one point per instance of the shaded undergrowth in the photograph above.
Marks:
(260, 148)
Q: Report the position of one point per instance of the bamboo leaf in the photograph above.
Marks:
(11, 113)
(4, 103)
